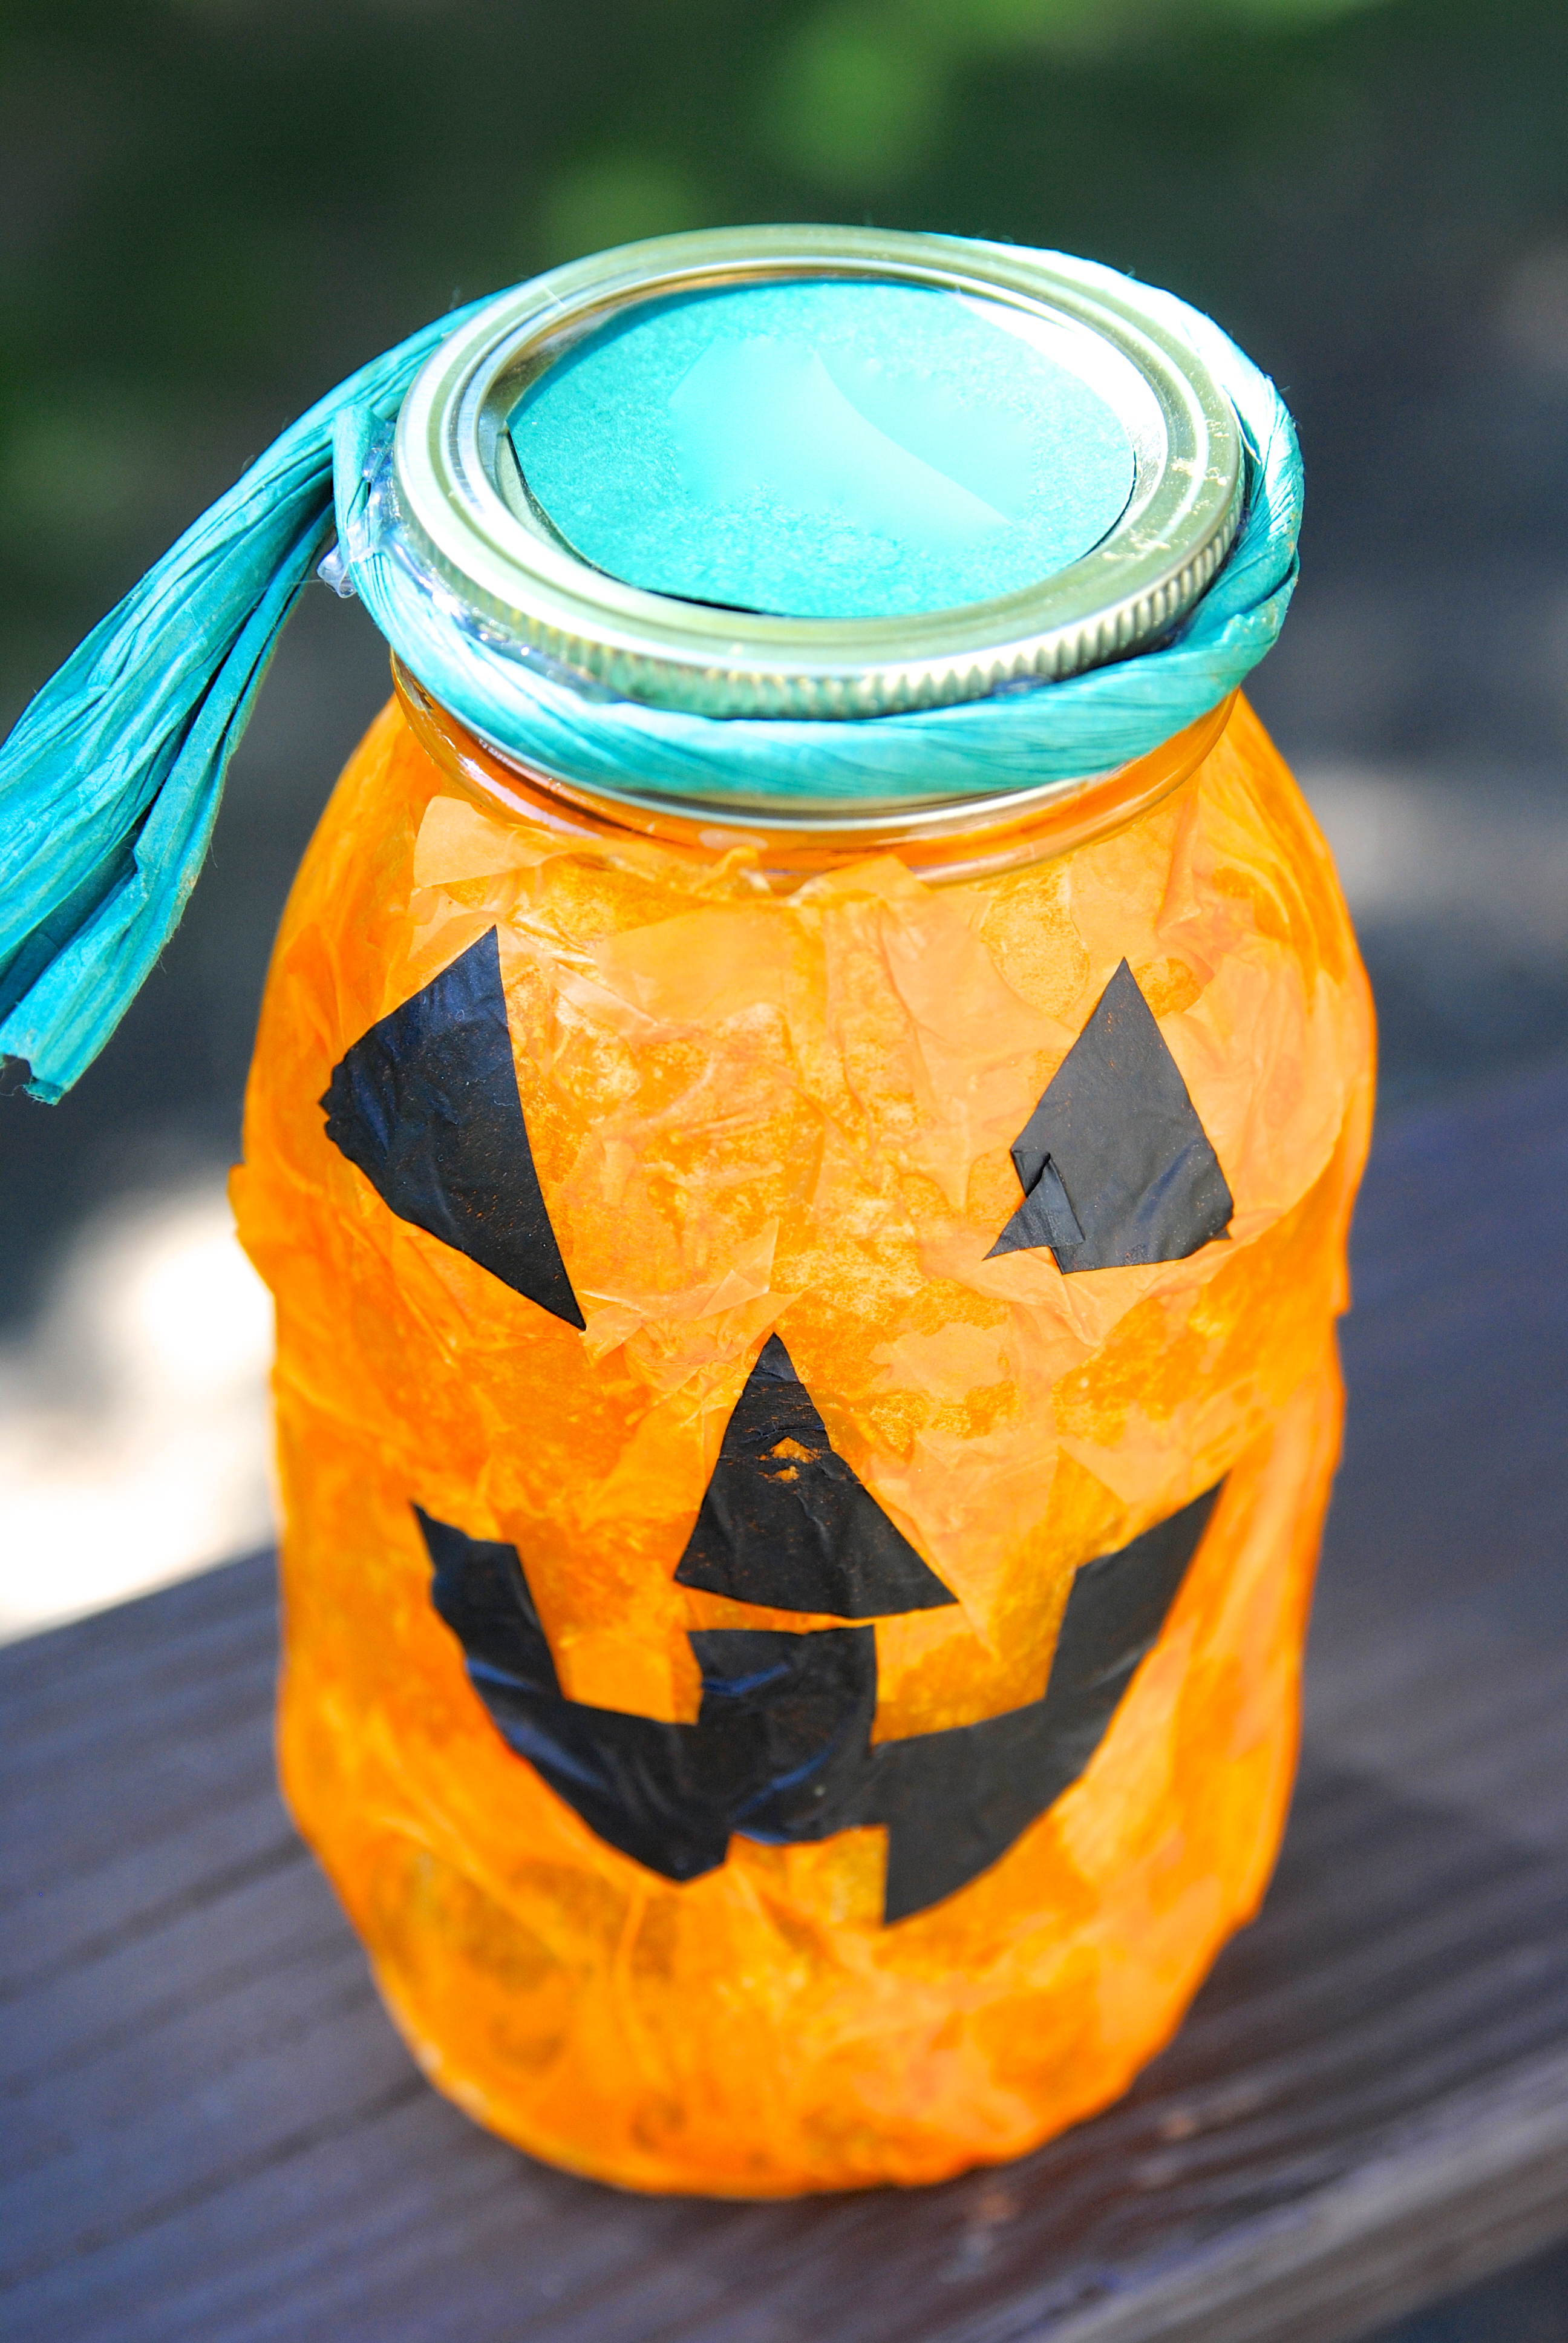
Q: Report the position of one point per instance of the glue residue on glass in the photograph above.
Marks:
(824, 448)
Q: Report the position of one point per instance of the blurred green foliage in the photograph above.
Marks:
(210, 209)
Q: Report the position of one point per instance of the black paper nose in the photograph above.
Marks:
(786, 1524)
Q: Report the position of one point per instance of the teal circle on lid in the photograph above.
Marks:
(823, 449)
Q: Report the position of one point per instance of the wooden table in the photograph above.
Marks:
(212, 2132)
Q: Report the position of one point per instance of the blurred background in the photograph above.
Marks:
(213, 209)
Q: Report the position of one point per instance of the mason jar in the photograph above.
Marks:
(806, 1254)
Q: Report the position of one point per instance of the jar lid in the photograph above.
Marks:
(819, 472)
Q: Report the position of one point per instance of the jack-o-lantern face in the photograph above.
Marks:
(1114, 1169)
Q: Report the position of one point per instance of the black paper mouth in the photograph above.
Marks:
(781, 1750)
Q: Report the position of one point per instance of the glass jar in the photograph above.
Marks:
(806, 1395)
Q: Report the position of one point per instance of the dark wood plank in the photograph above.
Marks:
(212, 2133)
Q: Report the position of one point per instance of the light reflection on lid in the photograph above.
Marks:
(825, 448)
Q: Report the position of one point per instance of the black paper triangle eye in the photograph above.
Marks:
(786, 1524)
(425, 1105)
(1116, 1168)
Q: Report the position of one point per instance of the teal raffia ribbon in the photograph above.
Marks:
(111, 779)
(110, 782)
